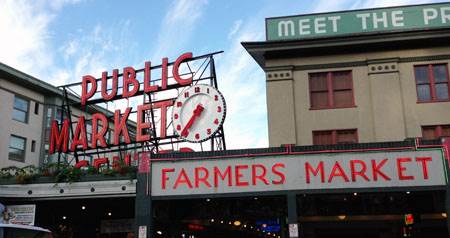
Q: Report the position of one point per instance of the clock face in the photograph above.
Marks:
(198, 113)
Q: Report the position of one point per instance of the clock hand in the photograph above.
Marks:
(197, 112)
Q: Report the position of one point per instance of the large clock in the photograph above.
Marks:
(198, 113)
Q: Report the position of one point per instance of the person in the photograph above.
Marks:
(7, 215)
(2, 209)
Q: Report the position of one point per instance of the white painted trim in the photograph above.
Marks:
(78, 189)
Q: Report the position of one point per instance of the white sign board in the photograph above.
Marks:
(19, 214)
(293, 230)
(117, 226)
(299, 172)
(142, 232)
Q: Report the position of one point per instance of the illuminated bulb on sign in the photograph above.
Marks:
(237, 223)
(342, 217)
(245, 225)
(159, 232)
(64, 217)
(408, 192)
(354, 194)
(212, 220)
(444, 214)
(83, 207)
(109, 213)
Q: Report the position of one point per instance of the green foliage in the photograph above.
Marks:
(9, 172)
(26, 174)
(68, 174)
(64, 173)
(49, 169)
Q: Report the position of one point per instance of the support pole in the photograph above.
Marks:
(447, 208)
(143, 205)
(293, 227)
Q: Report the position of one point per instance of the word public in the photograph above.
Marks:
(59, 136)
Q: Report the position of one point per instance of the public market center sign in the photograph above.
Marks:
(358, 22)
(299, 172)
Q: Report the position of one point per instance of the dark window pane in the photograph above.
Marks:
(19, 115)
(446, 131)
(49, 117)
(59, 115)
(318, 82)
(342, 80)
(15, 152)
(89, 130)
(17, 148)
(47, 135)
(319, 100)
(343, 98)
(346, 136)
(423, 93)
(322, 137)
(422, 74)
(442, 91)
(36, 108)
(33, 146)
(17, 142)
(440, 73)
(20, 104)
(429, 132)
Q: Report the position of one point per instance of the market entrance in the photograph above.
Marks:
(382, 214)
(255, 216)
(373, 215)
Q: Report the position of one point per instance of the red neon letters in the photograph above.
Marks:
(239, 175)
(355, 170)
(131, 83)
(59, 136)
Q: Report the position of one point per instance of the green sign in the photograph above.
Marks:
(357, 22)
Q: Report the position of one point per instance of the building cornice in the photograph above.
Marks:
(266, 50)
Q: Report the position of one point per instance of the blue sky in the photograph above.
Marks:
(59, 41)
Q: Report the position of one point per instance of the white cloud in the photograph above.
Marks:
(387, 3)
(177, 26)
(236, 26)
(328, 6)
(24, 31)
(242, 82)
(26, 38)
(58, 4)
(100, 49)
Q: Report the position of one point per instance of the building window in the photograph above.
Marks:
(36, 108)
(20, 109)
(331, 137)
(432, 82)
(59, 115)
(89, 131)
(17, 148)
(435, 132)
(33, 146)
(331, 90)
